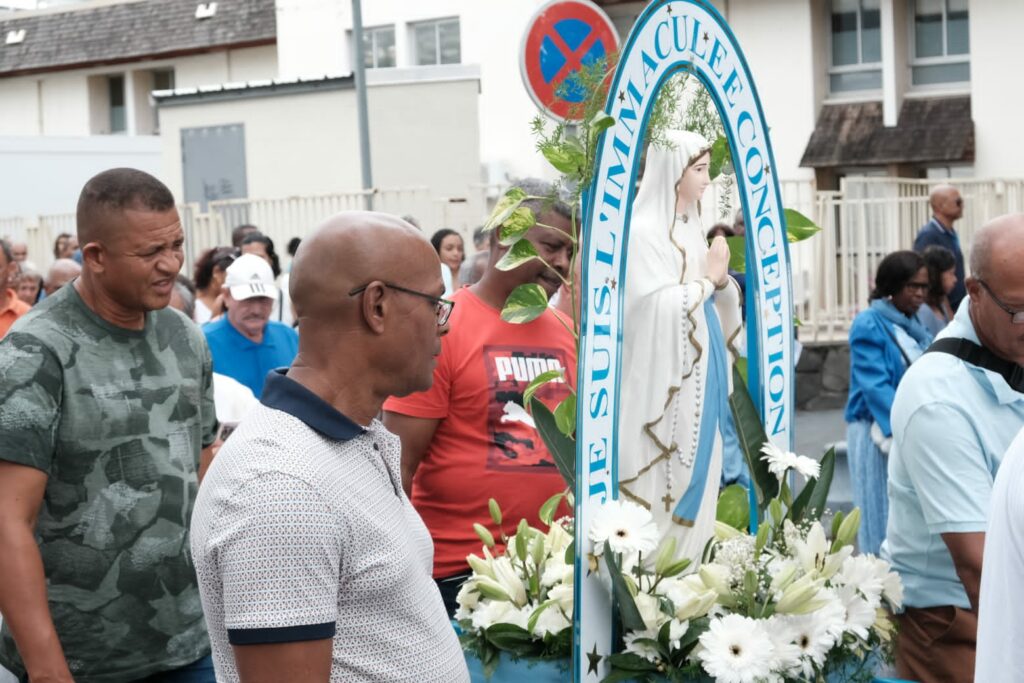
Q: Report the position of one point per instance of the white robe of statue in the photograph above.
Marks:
(678, 351)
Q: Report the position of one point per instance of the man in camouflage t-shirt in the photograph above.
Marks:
(106, 403)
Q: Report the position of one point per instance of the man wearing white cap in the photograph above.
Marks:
(245, 343)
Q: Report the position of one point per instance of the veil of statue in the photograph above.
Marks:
(681, 330)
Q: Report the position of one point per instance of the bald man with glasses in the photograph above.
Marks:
(955, 414)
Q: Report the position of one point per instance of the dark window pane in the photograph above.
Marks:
(870, 32)
(448, 32)
(856, 80)
(115, 85)
(941, 73)
(928, 28)
(425, 37)
(385, 47)
(844, 32)
(163, 80)
(957, 28)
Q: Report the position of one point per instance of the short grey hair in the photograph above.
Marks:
(554, 199)
(981, 252)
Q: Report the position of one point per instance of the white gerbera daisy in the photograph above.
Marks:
(813, 635)
(645, 650)
(736, 649)
(860, 613)
(779, 461)
(626, 527)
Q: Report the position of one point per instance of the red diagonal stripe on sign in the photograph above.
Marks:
(573, 58)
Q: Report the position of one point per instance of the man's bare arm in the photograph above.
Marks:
(416, 434)
(307, 661)
(206, 457)
(23, 588)
(967, 550)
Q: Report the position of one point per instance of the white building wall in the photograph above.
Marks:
(305, 144)
(44, 175)
(490, 34)
(776, 38)
(997, 99)
(19, 107)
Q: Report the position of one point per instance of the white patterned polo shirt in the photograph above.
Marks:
(301, 531)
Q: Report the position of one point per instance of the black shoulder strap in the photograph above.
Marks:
(979, 356)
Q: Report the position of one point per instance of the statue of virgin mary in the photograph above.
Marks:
(682, 317)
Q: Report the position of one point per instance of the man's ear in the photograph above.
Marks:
(94, 257)
(973, 287)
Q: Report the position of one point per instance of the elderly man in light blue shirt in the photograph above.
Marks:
(952, 423)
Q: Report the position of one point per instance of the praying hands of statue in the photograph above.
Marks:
(718, 262)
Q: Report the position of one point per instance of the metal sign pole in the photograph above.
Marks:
(359, 69)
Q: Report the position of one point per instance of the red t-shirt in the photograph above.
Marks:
(484, 447)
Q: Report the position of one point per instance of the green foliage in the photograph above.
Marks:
(561, 447)
(734, 507)
(627, 609)
(526, 303)
(810, 504)
(798, 226)
(752, 437)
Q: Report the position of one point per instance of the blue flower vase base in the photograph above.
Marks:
(517, 671)
(560, 671)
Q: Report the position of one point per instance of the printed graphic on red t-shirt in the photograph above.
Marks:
(515, 443)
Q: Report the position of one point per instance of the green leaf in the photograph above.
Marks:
(567, 156)
(519, 253)
(720, 155)
(525, 304)
(547, 510)
(510, 637)
(532, 622)
(539, 381)
(734, 507)
(495, 510)
(561, 447)
(761, 540)
(516, 226)
(694, 632)
(811, 501)
(741, 367)
(600, 123)
(752, 437)
(627, 661)
(737, 253)
(775, 510)
(798, 226)
(677, 568)
(837, 521)
(565, 415)
(509, 202)
(570, 552)
(631, 619)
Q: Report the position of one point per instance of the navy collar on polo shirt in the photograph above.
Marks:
(285, 394)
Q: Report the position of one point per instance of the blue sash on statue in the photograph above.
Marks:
(714, 411)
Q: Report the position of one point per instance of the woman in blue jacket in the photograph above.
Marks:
(884, 340)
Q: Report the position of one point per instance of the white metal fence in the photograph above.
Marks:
(832, 272)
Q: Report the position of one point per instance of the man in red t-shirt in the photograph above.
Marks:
(468, 438)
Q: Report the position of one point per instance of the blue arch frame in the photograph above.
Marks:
(712, 54)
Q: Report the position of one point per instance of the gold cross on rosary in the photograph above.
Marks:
(667, 500)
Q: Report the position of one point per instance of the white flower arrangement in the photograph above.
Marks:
(520, 602)
(785, 604)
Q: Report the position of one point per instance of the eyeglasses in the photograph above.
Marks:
(443, 307)
(1016, 317)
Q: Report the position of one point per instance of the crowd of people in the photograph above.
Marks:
(936, 398)
(373, 397)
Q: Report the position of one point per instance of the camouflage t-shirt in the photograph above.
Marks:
(116, 418)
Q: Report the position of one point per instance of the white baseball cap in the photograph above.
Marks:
(250, 276)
